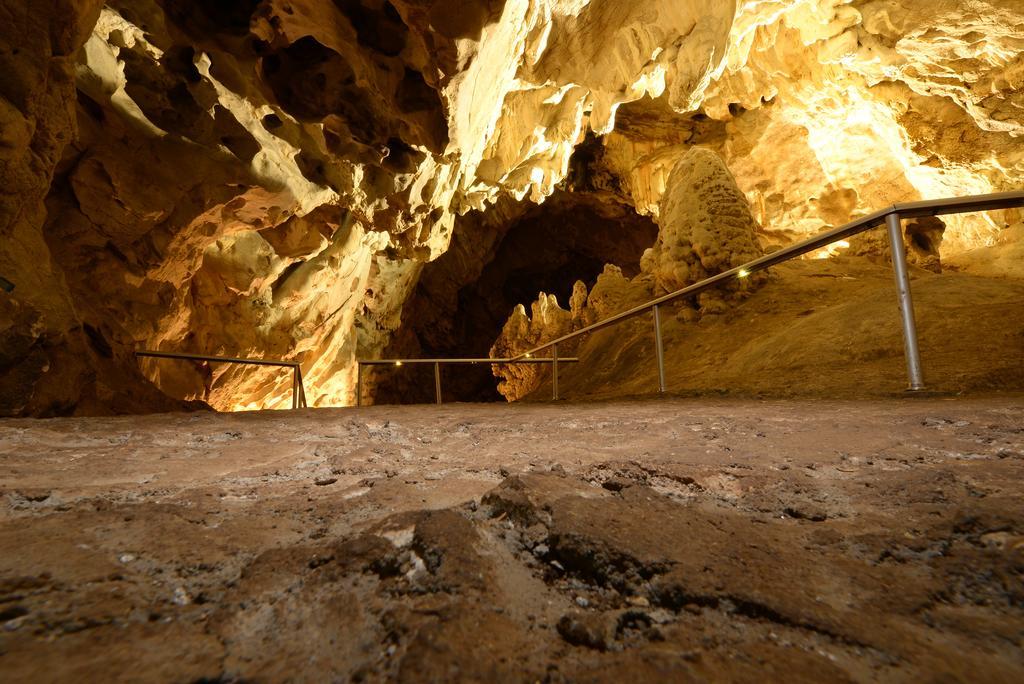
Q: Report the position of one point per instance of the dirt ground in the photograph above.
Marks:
(649, 540)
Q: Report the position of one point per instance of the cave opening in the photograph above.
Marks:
(464, 298)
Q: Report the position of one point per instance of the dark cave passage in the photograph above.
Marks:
(496, 261)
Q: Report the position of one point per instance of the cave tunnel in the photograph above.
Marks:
(464, 298)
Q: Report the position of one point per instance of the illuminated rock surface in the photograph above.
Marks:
(270, 178)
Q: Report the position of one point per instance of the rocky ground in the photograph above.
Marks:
(646, 540)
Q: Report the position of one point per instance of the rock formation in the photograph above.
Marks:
(705, 228)
(268, 178)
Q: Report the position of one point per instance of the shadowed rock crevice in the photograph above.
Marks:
(463, 298)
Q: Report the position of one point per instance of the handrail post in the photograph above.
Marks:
(554, 372)
(359, 384)
(659, 349)
(295, 387)
(437, 381)
(894, 224)
(302, 386)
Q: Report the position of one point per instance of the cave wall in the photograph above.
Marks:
(498, 260)
(51, 361)
(270, 177)
(835, 109)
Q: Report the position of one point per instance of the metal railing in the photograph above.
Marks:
(892, 217)
(398, 363)
(298, 389)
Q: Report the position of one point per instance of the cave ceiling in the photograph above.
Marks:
(270, 177)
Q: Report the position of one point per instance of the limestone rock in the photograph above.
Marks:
(270, 178)
(705, 228)
(922, 238)
(546, 321)
(706, 225)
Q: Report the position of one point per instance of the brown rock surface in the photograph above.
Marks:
(626, 541)
(821, 328)
(706, 227)
(269, 178)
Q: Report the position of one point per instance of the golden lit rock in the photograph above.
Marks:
(270, 179)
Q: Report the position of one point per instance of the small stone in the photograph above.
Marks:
(126, 558)
(324, 481)
(692, 608)
(660, 616)
(638, 601)
(582, 602)
(181, 597)
(582, 629)
(541, 550)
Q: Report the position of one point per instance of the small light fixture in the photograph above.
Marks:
(743, 273)
(529, 356)
(398, 363)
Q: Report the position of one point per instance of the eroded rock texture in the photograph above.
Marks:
(622, 542)
(705, 228)
(269, 177)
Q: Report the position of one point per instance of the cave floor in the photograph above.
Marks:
(639, 540)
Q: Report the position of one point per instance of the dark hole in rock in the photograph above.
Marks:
(922, 242)
(586, 172)
(925, 235)
(98, 342)
(272, 122)
(414, 95)
(13, 612)
(312, 168)
(311, 82)
(401, 158)
(381, 30)
(260, 47)
(285, 274)
(234, 136)
(464, 18)
(425, 121)
(464, 298)
(164, 97)
(221, 17)
(90, 107)
(181, 60)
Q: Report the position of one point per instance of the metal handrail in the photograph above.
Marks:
(892, 216)
(298, 388)
(437, 368)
